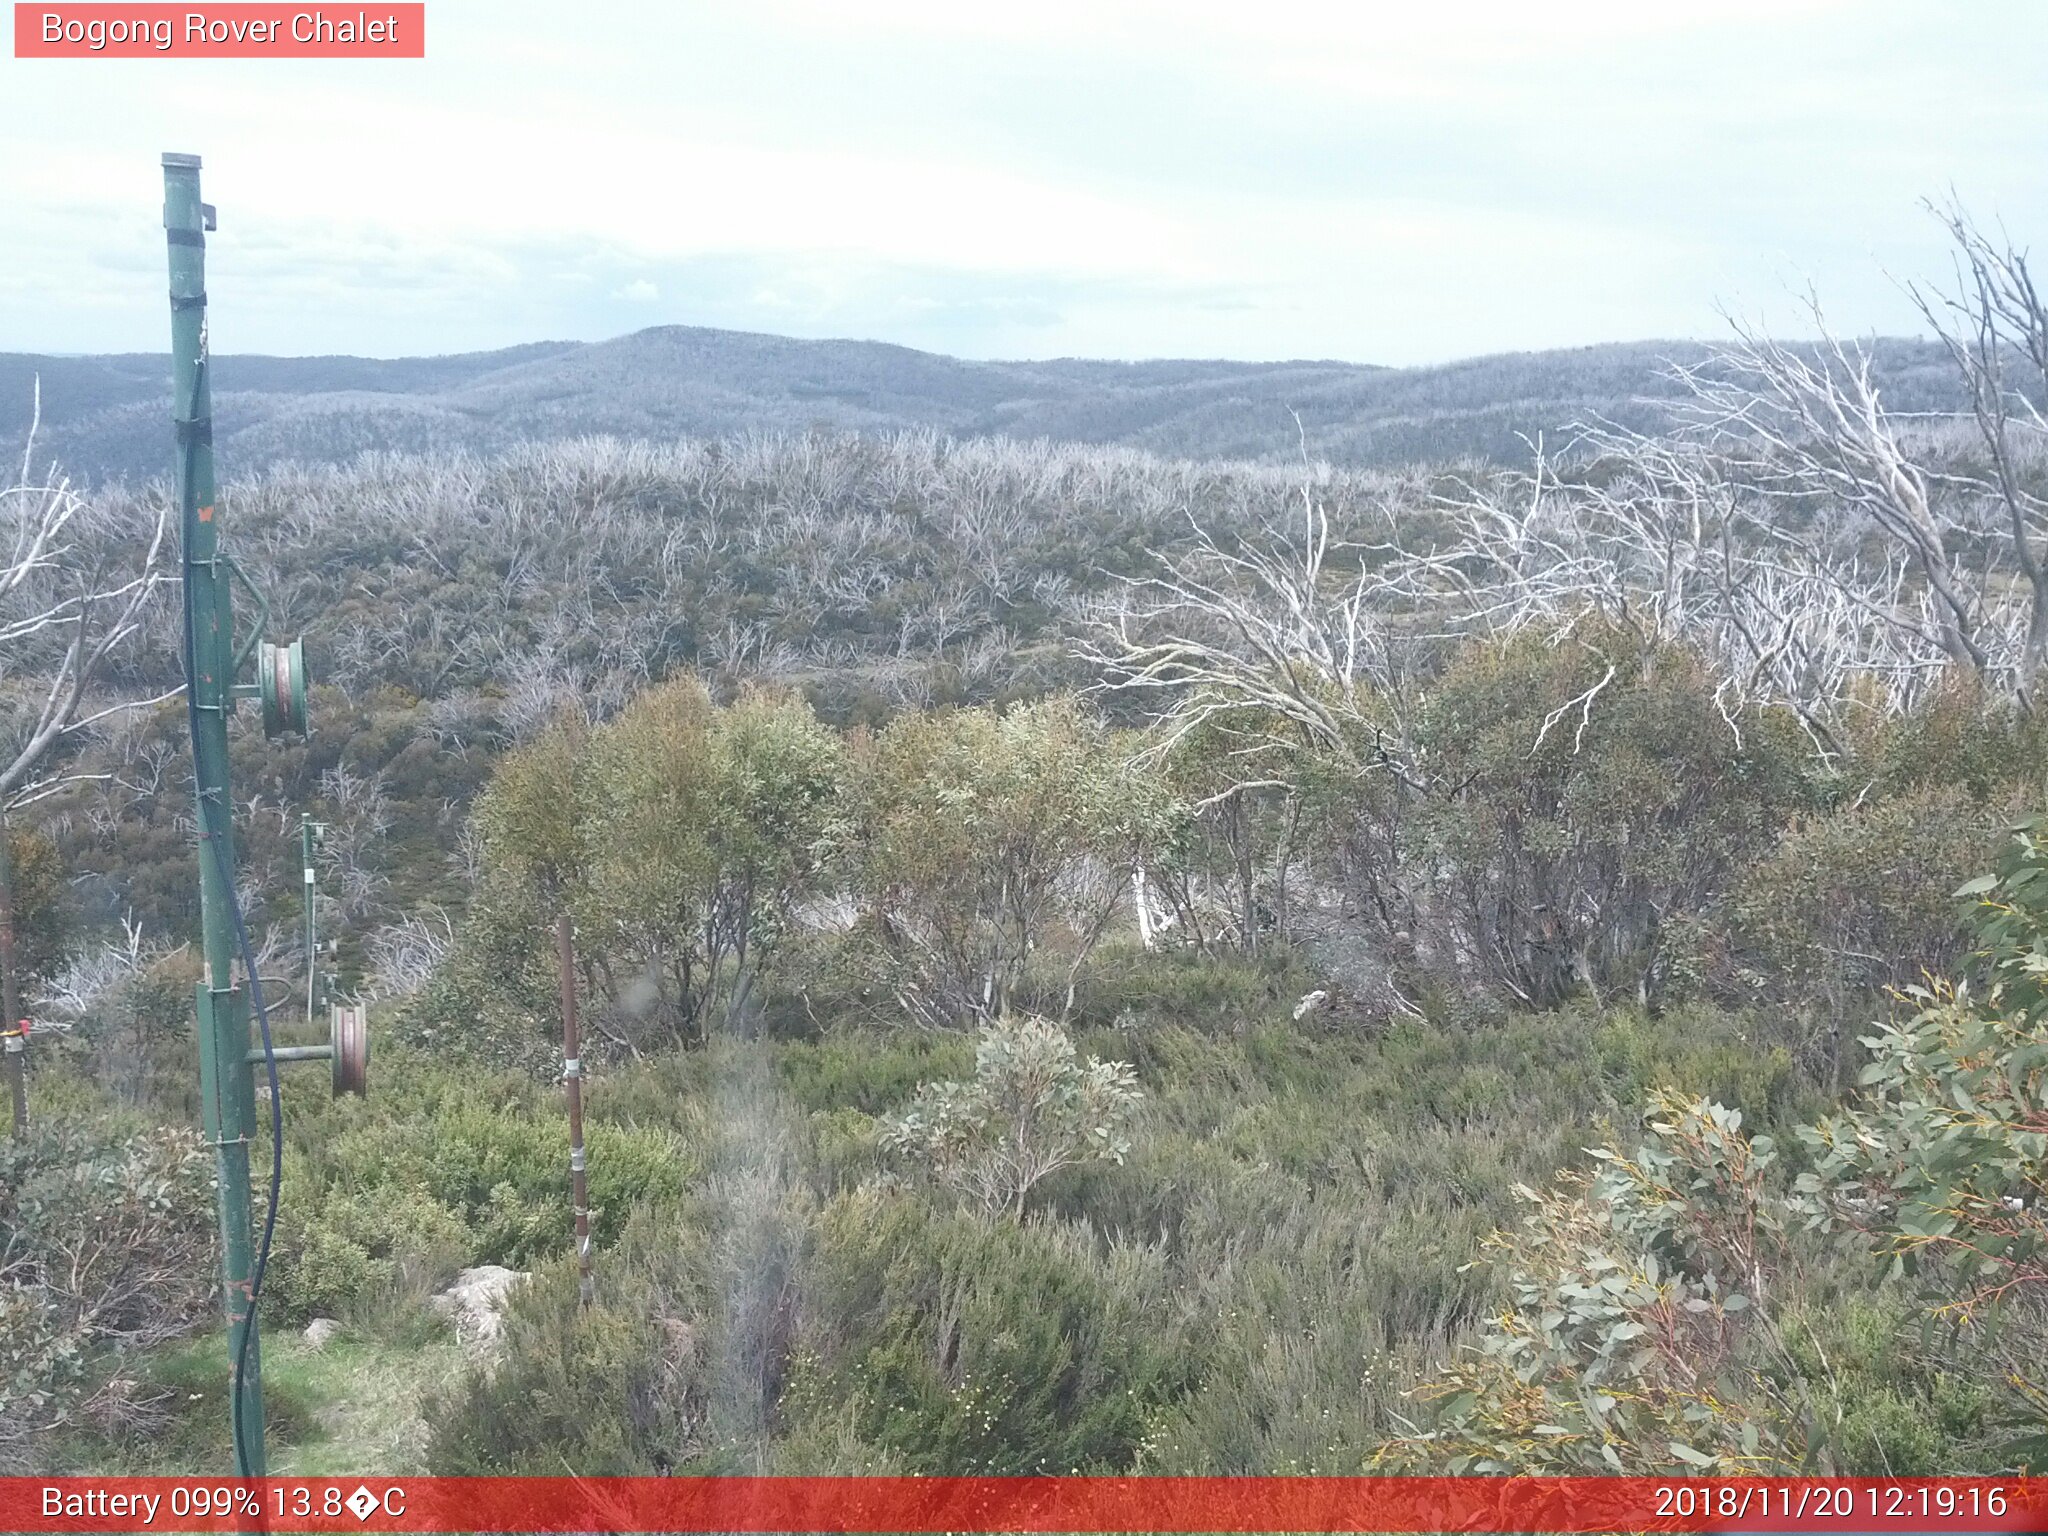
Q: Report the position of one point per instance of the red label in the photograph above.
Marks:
(234, 31)
(1681, 1506)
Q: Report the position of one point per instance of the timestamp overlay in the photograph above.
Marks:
(1053, 1504)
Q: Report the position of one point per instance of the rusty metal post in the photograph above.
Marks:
(572, 1082)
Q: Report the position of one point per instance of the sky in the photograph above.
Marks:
(1376, 182)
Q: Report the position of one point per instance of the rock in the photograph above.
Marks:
(476, 1302)
(1309, 1004)
(320, 1331)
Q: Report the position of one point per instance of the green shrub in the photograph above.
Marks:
(353, 1247)
(869, 1070)
(1941, 1165)
(677, 1365)
(988, 852)
(1860, 900)
(1582, 799)
(1307, 1313)
(496, 998)
(1224, 990)
(1631, 1344)
(135, 1041)
(488, 1151)
(1960, 741)
(963, 1347)
(506, 1174)
(106, 1248)
(45, 911)
(1892, 1398)
(700, 830)
(575, 1388)
(1705, 1053)
(1031, 1109)
(844, 1150)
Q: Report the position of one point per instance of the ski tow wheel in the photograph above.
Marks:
(350, 1043)
(281, 685)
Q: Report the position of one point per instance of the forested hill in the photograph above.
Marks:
(105, 417)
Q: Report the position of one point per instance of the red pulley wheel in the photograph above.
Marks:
(351, 1051)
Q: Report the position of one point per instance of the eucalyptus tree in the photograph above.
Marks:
(989, 849)
(706, 829)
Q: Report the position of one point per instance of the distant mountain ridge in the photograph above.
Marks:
(107, 417)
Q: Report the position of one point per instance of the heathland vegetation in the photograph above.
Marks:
(1091, 961)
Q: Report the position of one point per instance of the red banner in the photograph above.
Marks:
(1053, 1504)
(232, 31)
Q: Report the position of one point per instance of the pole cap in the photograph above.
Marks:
(181, 162)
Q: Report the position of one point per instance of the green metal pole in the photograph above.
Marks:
(13, 1044)
(226, 1083)
(312, 914)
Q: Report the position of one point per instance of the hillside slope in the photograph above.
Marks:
(105, 417)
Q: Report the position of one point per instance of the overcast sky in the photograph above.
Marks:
(1393, 183)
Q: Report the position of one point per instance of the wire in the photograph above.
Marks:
(215, 837)
(239, 1377)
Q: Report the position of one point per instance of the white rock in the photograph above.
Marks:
(477, 1301)
(320, 1331)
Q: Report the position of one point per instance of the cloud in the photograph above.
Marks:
(1105, 177)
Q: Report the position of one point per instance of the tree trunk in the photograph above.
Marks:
(1239, 836)
(1281, 860)
(572, 1086)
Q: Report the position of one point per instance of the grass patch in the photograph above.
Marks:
(351, 1407)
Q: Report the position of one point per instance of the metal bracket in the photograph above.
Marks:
(347, 1047)
(248, 647)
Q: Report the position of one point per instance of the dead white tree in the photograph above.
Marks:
(405, 956)
(1995, 326)
(1260, 664)
(1792, 526)
(358, 815)
(77, 577)
(89, 976)
(1806, 426)
(1256, 635)
(75, 583)
(1655, 535)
